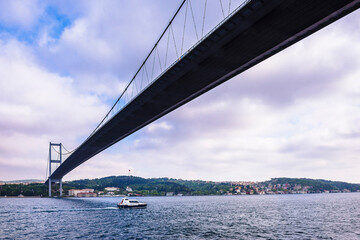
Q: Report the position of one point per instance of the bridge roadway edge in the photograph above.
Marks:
(253, 34)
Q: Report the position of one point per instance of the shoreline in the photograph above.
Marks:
(178, 196)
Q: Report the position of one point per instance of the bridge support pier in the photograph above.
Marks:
(56, 161)
(49, 187)
(61, 187)
(55, 181)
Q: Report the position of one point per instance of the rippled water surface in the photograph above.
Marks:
(310, 216)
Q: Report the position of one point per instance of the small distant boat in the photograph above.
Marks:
(131, 203)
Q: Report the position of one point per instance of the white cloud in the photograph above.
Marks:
(115, 165)
(20, 13)
(37, 106)
(296, 114)
(103, 47)
(293, 115)
(161, 125)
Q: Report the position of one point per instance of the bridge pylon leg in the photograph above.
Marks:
(58, 161)
(61, 187)
(49, 187)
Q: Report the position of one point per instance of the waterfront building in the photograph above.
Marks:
(112, 189)
(75, 192)
(86, 194)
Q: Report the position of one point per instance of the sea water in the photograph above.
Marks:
(307, 216)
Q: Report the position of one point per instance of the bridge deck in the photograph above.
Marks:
(257, 31)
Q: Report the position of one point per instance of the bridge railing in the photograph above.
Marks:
(193, 21)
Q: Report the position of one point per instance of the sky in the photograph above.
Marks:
(64, 63)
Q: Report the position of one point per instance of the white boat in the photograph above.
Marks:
(131, 203)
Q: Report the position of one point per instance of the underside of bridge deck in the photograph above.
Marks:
(257, 31)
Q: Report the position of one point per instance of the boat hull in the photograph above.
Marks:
(141, 205)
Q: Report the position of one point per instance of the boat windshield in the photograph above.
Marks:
(133, 201)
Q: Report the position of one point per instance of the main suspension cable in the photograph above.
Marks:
(157, 42)
(155, 51)
(68, 152)
(55, 149)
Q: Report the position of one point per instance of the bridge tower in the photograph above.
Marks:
(54, 146)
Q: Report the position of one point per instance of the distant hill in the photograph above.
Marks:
(23, 181)
(159, 186)
(317, 185)
(151, 186)
(163, 186)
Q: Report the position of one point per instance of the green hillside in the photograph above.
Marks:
(317, 185)
(151, 186)
(162, 186)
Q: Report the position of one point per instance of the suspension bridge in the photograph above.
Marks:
(204, 44)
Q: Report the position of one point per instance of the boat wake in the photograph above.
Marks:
(60, 210)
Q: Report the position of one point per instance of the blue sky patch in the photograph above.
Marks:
(58, 21)
(51, 20)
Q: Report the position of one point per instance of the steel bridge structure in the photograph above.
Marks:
(173, 75)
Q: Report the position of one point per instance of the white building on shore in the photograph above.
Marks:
(81, 192)
(112, 189)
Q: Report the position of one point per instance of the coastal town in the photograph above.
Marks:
(236, 188)
(251, 188)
